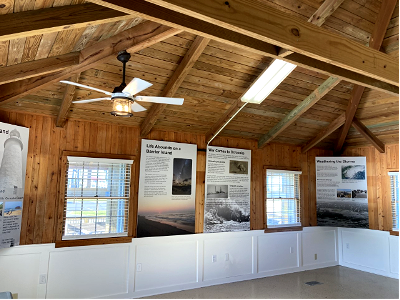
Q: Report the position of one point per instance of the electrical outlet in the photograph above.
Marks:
(214, 258)
(348, 245)
(138, 267)
(42, 279)
(290, 249)
(226, 256)
(315, 256)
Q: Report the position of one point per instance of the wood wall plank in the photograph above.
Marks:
(41, 211)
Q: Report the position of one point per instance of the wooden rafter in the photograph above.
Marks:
(191, 56)
(132, 40)
(38, 67)
(300, 109)
(35, 22)
(365, 132)
(69, 94)
(324, 133)
(259, 21)
(318, 18)
(378, 33)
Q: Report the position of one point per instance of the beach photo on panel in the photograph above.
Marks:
(182, 177)
(238, 167)
(12, 208)
(343, 193)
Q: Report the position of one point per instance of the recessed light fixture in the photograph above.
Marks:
(277, 71)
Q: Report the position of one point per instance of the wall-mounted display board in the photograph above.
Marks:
(342, 196)
(167, 189)
(227, 190)
(13, 155)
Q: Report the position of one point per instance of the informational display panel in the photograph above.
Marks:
(13, 155)
(342, 196)
(167, 189)
(227, 190)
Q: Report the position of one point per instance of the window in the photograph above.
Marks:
(96, 200)
(394, 189)
(283, 198)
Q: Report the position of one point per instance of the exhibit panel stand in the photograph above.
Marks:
(155, 265)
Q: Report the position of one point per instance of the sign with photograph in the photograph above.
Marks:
(227, 203)
(342, 196)
(167, 189)
(13, 156)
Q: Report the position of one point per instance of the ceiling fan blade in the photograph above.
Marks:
(85, 86)
(165, 100)
(91, 100)
(136, 85)
(136, 107)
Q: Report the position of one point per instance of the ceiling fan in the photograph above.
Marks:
(124, 96)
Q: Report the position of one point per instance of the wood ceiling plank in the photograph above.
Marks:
(46, 44)
(132, 40)
(15, 51)
(174, 82)
(378, 33)
(4, 53)
(67, 101)
(38, 67)
(228, 36)
(31, 47)
(35, 22)
(298, 110)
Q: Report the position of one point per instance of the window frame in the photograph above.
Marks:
(289, 227)
(392, 230)
(61, 202)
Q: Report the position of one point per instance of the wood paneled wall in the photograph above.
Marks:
(378, 166)
(46, 143)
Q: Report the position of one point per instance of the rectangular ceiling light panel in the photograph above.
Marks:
(268, 81)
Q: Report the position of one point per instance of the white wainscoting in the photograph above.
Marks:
(150, 266)
(369, 250)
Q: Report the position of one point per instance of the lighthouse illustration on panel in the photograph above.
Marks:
(11, 163)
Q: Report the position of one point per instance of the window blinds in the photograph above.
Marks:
(394, 190)
(96, 198)
(283, 198)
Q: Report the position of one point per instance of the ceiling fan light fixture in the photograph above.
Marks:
(122, 107)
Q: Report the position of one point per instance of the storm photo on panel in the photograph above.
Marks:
(353, 172)
(182, 178)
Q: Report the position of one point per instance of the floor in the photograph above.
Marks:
(335, 282)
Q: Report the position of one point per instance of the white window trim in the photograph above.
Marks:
(393, 174)
(99, 160)
(78, 159)
(297, 224)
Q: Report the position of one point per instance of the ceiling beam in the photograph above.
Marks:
(378, 33)
(38, 67)
(191, 56)
(365, 132)
(324, 133)
(351, 110)
(318, 18)
(69, 95)
(261, 22)
(300, 109)
(132, 40)
(41, 21)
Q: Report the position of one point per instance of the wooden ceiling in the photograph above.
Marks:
(210, 80)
